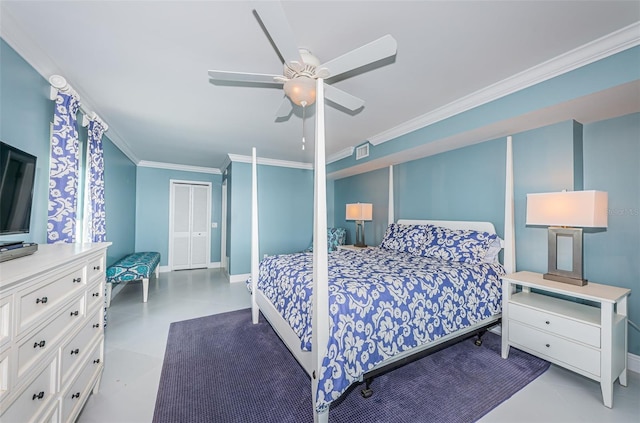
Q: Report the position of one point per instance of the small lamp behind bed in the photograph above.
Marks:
(566, 213)
(359, 212)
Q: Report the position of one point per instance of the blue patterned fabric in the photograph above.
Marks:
(335, 237)
(457, 245)
(63, 171)
(381, 303)
(133, 267)
(405, 238)
(95, 170)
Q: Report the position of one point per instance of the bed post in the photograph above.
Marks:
(320, 318)
(509, 223)
(255, 252)
(391, 208)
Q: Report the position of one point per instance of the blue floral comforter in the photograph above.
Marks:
(381, 303)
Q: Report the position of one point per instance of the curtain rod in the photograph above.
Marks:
(60, 84)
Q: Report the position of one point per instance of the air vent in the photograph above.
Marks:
(362, 151)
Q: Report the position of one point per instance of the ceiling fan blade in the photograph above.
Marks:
(275, 22)
(262, 78)
(376, 50)
(285, 109)
(342, 98)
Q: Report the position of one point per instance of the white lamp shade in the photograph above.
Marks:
(359, 211)
(585, 209)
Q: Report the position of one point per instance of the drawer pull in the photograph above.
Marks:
(548, 322)
(39, 395)
(76, 395)
(77, 280)
(96, 325)
(95, 294)
(76, 351)
(40, 344)
(96, 267)
(547, 345)
(42, 300)
(74, 313)
(96, 361)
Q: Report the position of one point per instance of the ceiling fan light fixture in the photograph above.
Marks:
(301, 90)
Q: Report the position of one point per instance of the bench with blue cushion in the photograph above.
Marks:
(133, 267)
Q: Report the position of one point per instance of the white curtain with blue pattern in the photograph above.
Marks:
(63, 171)
(96, 217)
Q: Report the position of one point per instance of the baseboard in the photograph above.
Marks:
(239, 278)
(164, 269)
(633, 361)
(215, 265)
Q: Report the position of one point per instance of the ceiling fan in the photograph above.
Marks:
(301, 68)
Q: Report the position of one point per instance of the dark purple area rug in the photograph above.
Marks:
(222, 368)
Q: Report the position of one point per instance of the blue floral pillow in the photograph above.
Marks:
(405, 238)
(457, 244)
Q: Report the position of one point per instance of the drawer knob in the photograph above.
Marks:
(96, 361)
(96, 325)
(74, 313)
(96, 267)
(40, 344)
(77, 280)
(39, 395)
(547, 345)
(76, 351)
(76, 395)
(548, 322)
(42, 300)
(95, 294)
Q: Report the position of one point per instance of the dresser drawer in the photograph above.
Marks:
(95, 268)
(5, 376)
(76, 350)
(555, 348)
(33, 399)
(37, 300)
(36, 346)
(95, 297)
(80, 389)
(559, 325)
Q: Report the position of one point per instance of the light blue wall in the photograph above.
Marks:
(120, 204)
(285, 219)
(371, 187)
(152, 209)
(25, 116)
(612, 164)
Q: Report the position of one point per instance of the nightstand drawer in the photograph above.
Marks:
(559, 325)
(555, 348)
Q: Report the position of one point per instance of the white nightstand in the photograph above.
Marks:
(353, 247)
(586, 339)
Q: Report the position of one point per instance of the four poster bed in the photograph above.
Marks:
(429, 284)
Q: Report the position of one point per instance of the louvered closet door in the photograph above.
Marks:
(190, 216)
(200, 226)
(181, 226)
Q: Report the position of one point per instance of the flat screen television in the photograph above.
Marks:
(17, 176)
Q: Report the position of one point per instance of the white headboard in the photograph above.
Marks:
(452, 224)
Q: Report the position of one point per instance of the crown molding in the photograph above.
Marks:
(185, 168)
(269, 162)
(346, 152)
(593, 51)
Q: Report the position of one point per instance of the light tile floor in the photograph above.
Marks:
(136, 336)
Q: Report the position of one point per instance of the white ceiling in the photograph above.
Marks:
(142, 65)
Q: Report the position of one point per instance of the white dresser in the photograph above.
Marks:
(51, 332)
(581, 328)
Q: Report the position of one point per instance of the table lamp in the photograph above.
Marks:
(359, 212)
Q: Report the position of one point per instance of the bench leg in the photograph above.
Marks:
(108, 295)
(157, 271)
(145, 289)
